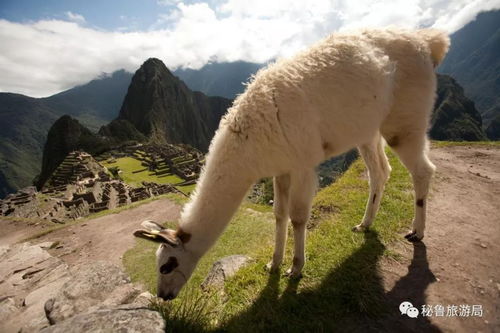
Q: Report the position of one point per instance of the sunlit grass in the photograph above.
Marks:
(129, 167)
(439, 144)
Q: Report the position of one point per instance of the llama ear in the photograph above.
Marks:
(167, 236)
(151, 225)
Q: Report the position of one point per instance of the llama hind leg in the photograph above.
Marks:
(378, 171)
(412, 151)
(281, 187)
(303, 187)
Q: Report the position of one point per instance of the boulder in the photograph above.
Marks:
(89, 287)
(38, 290)
(7, 307)
(30, 276)
(112, 320)
(224, 269)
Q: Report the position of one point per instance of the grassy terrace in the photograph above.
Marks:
(129, 166)
(340, 284)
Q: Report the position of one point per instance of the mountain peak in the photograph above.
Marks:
(155, 64)
(164, 109)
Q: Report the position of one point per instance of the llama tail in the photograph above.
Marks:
(438, 42)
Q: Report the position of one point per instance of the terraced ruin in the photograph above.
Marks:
(79, 186)
(178, 165)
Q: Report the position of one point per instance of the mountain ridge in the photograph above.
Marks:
(162, 107)
(474, 61)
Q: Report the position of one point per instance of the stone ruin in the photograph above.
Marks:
(181, 160)
(78, 187)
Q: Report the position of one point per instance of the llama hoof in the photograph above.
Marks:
(271, 268)
(293, 274)
(413, 237)
(360, 228)
(410, 234)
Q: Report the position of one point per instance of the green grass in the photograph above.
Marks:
(439, 144)
(129, 164)
(341, 282)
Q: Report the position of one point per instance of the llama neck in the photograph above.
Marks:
(219, 192)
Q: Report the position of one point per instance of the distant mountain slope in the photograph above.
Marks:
(96, 102)
(219, 79)
(164, 109)
(65, 136)
(26, 120)
(474, 60)
(454, 117)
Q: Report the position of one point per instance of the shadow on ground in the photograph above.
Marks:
(341, 303)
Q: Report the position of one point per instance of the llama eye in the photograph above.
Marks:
(169, 266)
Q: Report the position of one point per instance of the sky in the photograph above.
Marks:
(47, 46)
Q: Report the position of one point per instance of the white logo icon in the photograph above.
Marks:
(408, 309)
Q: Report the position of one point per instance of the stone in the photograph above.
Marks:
(46, 245)
(128, 320)
(90, 286)
(224, 269)
(123, 294)
(30, 277)
(7, 307)
(144, 299)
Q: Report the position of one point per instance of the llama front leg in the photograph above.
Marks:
(281, 204)
(303, 187)
(378, 171)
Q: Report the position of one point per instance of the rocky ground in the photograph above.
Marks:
(72, 277)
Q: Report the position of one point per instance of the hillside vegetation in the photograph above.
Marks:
(474, 60)
(340, 278)
(455, 117)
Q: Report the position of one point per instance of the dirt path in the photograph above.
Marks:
(457, 263)
(108, 237)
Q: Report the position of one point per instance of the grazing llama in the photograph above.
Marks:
(349, 90)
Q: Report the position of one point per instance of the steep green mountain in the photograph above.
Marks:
(120, 131)
(67, 135)
(224, 79)
(493, 129)
(454, 117)
(96, 102)
(474, 61)
(26, 121)
(161, 107)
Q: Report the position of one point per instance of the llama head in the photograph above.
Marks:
(174, 264)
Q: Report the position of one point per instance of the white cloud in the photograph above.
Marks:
(75, 17)
(45, 57)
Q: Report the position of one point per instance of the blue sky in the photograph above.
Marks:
(48, 46)
(109, 15)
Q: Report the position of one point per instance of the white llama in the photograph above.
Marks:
(349, 90)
